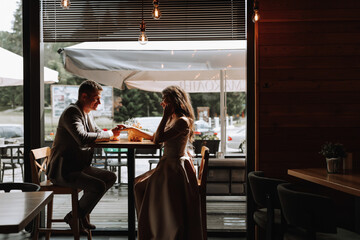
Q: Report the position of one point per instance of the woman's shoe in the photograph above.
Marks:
(71, 221)
(86, 224)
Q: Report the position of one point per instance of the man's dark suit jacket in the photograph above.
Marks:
(71, 151)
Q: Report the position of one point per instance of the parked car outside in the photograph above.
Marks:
(149, 123)
(236, 139)
(13, 133)
(203, 128)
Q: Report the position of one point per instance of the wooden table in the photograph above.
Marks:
(348, 182)
(17, 209)
(131, 146)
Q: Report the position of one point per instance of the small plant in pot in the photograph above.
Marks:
(209, 140)
(334, 154)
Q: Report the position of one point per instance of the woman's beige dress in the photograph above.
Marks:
(167, 198)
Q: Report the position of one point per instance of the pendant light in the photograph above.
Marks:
(65, 4)
(142, 38)
(256, 15)
(156, 14)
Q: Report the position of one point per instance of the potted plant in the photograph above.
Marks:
(209, 140)
(334, 154)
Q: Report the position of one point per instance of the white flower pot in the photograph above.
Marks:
(334, 165)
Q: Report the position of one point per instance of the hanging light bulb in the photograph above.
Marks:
(256, 15)
(143, 38)
(156, 14)
(65, 4)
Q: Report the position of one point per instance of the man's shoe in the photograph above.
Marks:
(69, 219)
(86, 224)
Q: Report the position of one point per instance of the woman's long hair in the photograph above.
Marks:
(182, 105)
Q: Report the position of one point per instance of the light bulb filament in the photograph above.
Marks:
(156, 14)
(256, 16)
(65, 4)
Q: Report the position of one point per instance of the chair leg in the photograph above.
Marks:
(119, 175)
(13, 171)
(22, 171)
(49, 219)
(75, 213)
(2, 172)
(203, 216)
(89, 234)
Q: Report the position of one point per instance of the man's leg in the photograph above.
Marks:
(95, 182)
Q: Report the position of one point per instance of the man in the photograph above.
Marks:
(71, 154)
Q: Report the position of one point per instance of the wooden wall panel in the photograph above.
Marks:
(308, 83)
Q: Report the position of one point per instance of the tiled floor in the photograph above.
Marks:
(26, 236)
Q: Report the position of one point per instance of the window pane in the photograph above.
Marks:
(11, 92)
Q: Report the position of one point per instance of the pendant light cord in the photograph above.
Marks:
(142, 10)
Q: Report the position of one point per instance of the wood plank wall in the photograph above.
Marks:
(308, 83)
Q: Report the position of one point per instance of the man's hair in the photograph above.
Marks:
(89, 87)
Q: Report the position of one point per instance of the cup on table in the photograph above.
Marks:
(220, 155)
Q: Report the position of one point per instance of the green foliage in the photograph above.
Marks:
(235, 102)
(137, 103)
(333, 150)
(206, 137)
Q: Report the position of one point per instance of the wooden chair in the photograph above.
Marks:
(38, 169)
(10, 157)
(24, 187)
(202, 180)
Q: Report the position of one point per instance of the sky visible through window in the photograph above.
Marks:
(7, 11)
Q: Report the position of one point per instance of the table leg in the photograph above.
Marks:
(131, 200)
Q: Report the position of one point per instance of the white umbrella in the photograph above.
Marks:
(11, 70)
(207, 66)
(195, 66)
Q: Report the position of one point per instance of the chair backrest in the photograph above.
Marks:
(24, 187)
(37, 167)
(203, 170)
(264, 189)
(306, 210)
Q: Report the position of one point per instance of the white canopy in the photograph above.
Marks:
(11, 70)
(195, 66)
(207, 66)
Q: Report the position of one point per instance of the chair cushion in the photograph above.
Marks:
(260, 218)
(46, 183)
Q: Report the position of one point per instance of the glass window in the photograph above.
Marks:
(11, 92)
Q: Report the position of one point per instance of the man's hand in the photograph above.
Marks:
(123, 127)
(116, 131)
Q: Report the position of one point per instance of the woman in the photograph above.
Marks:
(167, 198)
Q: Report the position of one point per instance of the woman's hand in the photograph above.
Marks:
(123, 127)
(168, 111)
